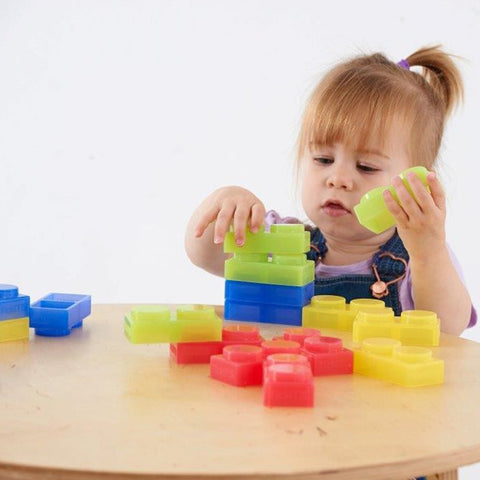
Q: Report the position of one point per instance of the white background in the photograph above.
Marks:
(118, 117)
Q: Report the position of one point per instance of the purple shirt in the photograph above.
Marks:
(405, 289)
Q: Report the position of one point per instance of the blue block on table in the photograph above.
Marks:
(266, 293)
(13, 305)
(57, 313)
(263, 313)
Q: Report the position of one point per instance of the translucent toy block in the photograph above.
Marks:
(263, 313)
(269, 347)
(200, 352)
(55, 314)
(284, 239)
(299, 334)
(17, 329)
(332, 311)
(158, 324)
(327, 356)
(386, 359)
(280, 358)
(413, 327)
(372, 212)
(250, 292)
(12, 305)
(288, 385)
(239, 365)
(292, 270)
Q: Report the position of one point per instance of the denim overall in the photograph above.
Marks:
(353, 286)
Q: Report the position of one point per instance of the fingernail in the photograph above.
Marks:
(254, 229)
(239, 242)
(217, 239)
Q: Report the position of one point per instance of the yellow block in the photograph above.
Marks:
(413, 327)
(332, 311)
(158, 324)
(16, 329)
(386, 359)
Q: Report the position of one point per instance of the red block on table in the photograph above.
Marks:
(238, 334)
(270, 347)
(200, 352)
(327, 356)
(299, 334)
(288, 385)
(194, 352)
(239, 365)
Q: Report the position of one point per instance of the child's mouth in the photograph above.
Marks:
(335, 209)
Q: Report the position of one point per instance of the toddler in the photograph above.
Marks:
(367, 120)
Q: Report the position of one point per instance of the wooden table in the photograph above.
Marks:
(94, 406)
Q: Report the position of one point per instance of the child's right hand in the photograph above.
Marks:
(229, 205)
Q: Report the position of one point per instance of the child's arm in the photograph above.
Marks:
(212, 219)
(421, 226)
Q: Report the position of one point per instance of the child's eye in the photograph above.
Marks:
(366, 168)
(323, 160)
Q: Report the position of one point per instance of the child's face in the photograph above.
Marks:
(335, 177)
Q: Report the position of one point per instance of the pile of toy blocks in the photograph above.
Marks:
(269, 278)
(53, 315)
(238, 355)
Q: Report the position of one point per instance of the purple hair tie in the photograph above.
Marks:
(404, 64)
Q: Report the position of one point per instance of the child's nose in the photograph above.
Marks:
(340, 178)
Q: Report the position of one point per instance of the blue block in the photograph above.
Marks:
(13, 305)
(57, 313)
(266, 293)
(263, 313)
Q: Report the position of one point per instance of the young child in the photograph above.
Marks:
(367, 121)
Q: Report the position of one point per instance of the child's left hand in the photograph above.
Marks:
(420, 220)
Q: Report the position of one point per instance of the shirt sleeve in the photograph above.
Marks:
(272, 217)
(406, 289)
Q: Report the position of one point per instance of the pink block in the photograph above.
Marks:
(299, 334)
(194, 352)
(239, 365)
(279, 346)
(288, 385)
(327, 356)
(241, 334)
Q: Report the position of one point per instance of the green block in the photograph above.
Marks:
(158, 324)
(372, 211)
(282, 239)
(270, 272)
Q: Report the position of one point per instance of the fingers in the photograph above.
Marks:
(436, 191)
(224, 219)
(205, 220)
(395, 209)
(257, 218)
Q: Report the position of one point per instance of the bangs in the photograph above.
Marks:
(356, 110)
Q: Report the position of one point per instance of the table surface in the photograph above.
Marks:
(92, 405)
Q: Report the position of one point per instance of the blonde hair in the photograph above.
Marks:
(366, 95)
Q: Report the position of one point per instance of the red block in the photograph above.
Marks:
(239, 365)
(200, 352)
(288, 385)
(194, 352)
(241, 334)
(299, 334)
(270, 347)
(327, 356)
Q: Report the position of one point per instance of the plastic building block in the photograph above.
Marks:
(386, 359)
(157, 324)
(239, 365)
(12, 305)
(280, 295)
(200, 352)
(55, 314)
(288, 385)
(263, 313)
(327, 356)
(372, 212)
(280, 358)
(413, 327)
(283, 239)
(294, 270)
(194, 352)
(238, 334)
(299, 334)
(270, 347)
(332, 311)
(11, 330)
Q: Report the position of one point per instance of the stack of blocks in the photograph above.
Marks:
(14, 314)
(269, 278)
